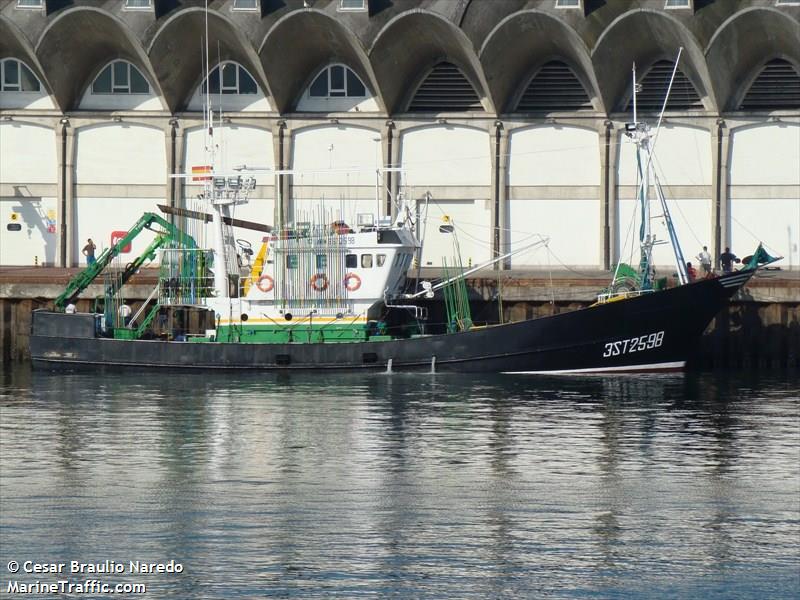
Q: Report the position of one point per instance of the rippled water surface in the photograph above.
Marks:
(406, 486)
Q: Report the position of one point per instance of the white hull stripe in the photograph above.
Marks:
(668, 366)
(735, 281)
(293, 322)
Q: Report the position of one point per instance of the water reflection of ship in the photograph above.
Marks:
(505, 469)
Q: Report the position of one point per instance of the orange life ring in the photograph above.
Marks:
(352, 282)
(319, 282)
(265, 283)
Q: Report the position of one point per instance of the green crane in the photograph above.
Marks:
(165, 232)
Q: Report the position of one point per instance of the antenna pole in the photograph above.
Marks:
(207, 106)
(633, 79)
(666, 99)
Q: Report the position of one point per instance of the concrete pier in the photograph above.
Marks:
(760, 328)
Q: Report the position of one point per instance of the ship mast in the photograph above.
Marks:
(645, 140)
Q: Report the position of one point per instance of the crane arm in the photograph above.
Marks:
(167, 232)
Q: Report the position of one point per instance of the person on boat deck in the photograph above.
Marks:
(705, 261)
(88, 252)
(691, 271)
(726, 260)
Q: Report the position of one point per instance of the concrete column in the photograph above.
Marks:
(608, 184)
(176, 147)
(61, 220)
(720, 207)
(501, 242)
(282, 148)
(394, 161)
(388, 180)
(65, 151)
(613, 196)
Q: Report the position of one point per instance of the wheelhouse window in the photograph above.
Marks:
(381, 260)
(678, 4)
(366, 261)
(337, 81)
(568, 3)
(292, 261)
(15, 76)
(322, 261)
(120, 77)
(30, 3)
(351, 261)
(230, 78)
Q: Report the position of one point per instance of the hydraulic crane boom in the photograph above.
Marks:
(167, 233)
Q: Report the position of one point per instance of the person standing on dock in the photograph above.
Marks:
(726, 260)
(88, 252)
(705, 261)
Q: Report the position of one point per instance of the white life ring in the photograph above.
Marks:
(265, 283)
(352, 282)
(319, 282)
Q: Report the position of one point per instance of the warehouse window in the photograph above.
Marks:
(15, 76)
(554, 88)
(653, 89)
(137, 4)
(230, 78)
(776, 86)
(245, 5)
(120, 77)
(445, 89)
(337, 81)
(346, 5)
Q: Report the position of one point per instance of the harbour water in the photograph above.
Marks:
(403, 486)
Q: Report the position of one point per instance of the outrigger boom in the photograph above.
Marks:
(202, 216)
(543, 241)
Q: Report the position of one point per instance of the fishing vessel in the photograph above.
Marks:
(325, 294)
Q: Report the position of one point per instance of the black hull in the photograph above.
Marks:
(652, 332)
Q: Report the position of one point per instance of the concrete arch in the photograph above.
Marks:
(129, 122)
(509, 67)
(307, 40)
(647, 36)
(103, 36)
(739, 48)
(14, 44)
(410, 45)
(308, 126)
(178, 63)
(421, 126)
